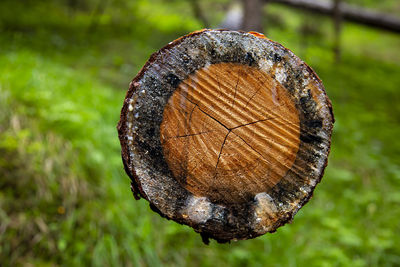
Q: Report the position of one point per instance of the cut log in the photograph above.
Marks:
(227, 132)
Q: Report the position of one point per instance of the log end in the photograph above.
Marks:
(227, 132)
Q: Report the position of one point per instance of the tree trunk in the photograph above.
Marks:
(252, 19)
(198, 13)
(337, 21)
(233, 18)
(227, 132)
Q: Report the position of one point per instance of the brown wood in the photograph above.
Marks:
(230, 131)
(227, 132)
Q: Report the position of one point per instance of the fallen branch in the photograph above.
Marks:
(348, 12)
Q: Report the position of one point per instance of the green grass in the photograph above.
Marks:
(65, 199)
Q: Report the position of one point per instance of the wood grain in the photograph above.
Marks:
(229, 132)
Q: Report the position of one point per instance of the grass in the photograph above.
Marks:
(65, 199)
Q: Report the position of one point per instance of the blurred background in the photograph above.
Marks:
(65, 66)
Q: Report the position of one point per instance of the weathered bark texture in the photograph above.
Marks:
(348, 12)
(227, 132)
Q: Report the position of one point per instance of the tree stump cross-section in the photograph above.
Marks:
(227, 132)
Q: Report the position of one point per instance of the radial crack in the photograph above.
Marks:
(219, 156)
(237, 83)
(191, 113)
(250, 123)
(206, 112)
(252, 147)
(187, 135)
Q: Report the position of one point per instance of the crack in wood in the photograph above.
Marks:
(205, 113)
(219, 156)
(237, 83)
(252, 148)
(250, 123)
(188, 135)
(256, 92)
